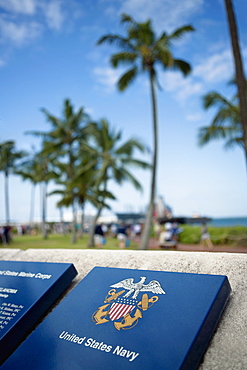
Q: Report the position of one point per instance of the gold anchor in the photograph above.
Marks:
(128, 321)
(99, 315)
(112, 295)
(144, 303)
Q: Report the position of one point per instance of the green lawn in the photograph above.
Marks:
(58, 241)
(231, 235)
(235, 236)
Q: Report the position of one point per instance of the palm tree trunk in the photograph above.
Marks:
(44, 199)
(148, 221)
(73, 231)
(61, 220)
(240, 77)
(7, 197)
(82, 219)
(32, 203)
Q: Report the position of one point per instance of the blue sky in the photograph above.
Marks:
(48, 53)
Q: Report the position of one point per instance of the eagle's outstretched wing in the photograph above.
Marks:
(126, 283)
(154, 287)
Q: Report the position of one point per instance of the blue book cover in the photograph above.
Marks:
(127, 319)
(27, 290)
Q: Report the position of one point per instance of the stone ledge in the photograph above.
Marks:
(228, 348)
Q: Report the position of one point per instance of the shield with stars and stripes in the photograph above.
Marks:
(121, 307)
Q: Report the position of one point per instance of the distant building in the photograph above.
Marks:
(131, 218)
(161, 209)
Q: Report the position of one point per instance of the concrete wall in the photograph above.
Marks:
(228, 348)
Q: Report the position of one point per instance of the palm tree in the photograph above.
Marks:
(64, 140)
(111, 159)
(45, 173)
(87, 190)
(226, 123)
(79, 190)
(9, 157)
(143, 51)
(239, 71)
(66, 191)
(30, 170)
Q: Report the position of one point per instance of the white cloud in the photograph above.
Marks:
(19, 6)
(25, 20)
(205, 75)
(2, 63)
(218, 67)
(107, 77)
(182, 88)
(167, 14)
(19, 34)
(54, 15)
(194, 117)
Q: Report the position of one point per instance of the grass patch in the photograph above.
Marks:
(234, 236)
(56, 241)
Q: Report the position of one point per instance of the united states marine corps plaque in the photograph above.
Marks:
(127, 319)
(27, 290)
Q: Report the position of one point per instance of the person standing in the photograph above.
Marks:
(122, 235)
(99, 236)
(6, 234)
(205, 236)
(157, 229)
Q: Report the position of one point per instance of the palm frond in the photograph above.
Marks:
(182, 66)
(233, 142)
(119, 41)
(37, 133)
(123, 58)
(139, 164)
(129, 146)
(213, 98)
(85, 169)
(226, 117)
(57, 192)
(164, 56)
(141, 34)
(67, 109)
(179, 32)
(56, 122)
(123, 174)
(126, 18)
(127, 78)
(208, 133)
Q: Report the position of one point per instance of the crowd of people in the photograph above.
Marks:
(167, 235)
(123, 232)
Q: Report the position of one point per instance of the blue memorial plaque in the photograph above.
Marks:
(27, 290)
(127, 319)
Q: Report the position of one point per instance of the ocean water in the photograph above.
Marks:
(228, 221)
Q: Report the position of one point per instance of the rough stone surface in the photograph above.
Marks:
(228, 348)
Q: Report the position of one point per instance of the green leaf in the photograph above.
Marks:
(127, 78)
